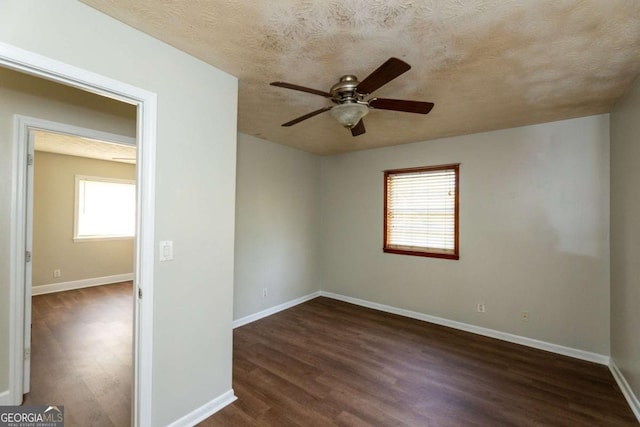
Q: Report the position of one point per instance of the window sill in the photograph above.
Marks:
(101, 238)
(443, 255)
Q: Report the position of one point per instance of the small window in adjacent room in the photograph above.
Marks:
(421, 211)
(105, 208)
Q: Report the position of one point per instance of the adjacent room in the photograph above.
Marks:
(81, 239)
(82, 272)
(381, 213)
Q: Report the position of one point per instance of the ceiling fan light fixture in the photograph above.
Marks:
(349, 114)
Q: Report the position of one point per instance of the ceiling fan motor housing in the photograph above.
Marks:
(345, 90)
(351, 105)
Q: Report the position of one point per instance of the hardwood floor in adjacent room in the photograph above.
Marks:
(81, 354)
(325, 363)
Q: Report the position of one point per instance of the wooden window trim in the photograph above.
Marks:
(426, 252)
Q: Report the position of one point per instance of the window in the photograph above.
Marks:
(105, 208)
(421, 211)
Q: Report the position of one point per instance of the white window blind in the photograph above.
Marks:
(421, 210)
(105, 208)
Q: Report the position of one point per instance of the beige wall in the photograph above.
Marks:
(53, 216)
(625, 238)
(30, 96)
(277, 225)
(195, 190)
(534, 223)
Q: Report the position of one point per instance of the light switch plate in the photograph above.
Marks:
(166, 250)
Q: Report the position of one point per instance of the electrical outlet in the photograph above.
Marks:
(524, 316)
(57, 273)
(481, 307)
(265, 292)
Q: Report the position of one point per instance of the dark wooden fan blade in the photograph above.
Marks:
(401, 105)
(301, 88)
(383, 75)
(307, 116)
(358, 129)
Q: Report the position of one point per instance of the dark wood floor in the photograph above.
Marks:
(326, 363)
(81, 354)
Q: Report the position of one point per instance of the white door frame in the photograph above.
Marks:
(34, 64)
(28, 271)
(25, 140)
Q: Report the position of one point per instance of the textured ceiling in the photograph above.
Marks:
(83, 147)
(486, 64)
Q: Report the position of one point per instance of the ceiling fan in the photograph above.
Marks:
(349, 96)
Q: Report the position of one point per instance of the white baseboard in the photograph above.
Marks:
(5, 398)
(205, 411)
(517, 339)
(78, 284)
(269, 311)
(632, 400)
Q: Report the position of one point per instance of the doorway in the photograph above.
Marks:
(81, 271)
(145, 102)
